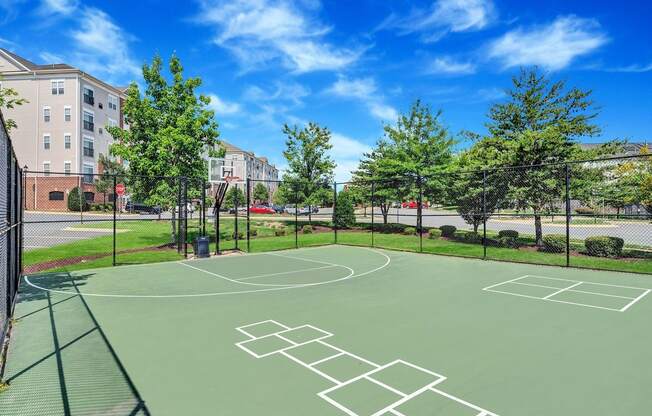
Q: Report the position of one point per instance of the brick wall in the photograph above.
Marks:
(40, 191)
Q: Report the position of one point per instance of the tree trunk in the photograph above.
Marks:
(538, 229)
(384, 209)
(617, 212)
(475, 227)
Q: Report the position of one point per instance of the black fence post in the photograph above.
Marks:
(185, 217)
(235, 225)
(248, 214)
(420, 214)
(484, 214)
(202, 217)
(373, 188)
(568, 215)
(296, 218)
(335, 211)
(115, 210)
(217, 230)
(177, 210)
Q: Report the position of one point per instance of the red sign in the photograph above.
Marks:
(120, 189)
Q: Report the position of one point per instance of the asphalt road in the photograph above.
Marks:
(49, 229)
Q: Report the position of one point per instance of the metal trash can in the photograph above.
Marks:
(201, 247)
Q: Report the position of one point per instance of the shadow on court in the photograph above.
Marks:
(60, 361)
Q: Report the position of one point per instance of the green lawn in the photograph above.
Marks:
(150, 238)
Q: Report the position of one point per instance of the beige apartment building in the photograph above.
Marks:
(62, 128)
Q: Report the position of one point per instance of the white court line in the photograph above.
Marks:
(635, 300)
(588, 283)
(574, 290)
(561, 290)
(464, 402)
(239, 279)
(241, 328)
(228, 279)
(387, 262)
(554, 300)
(323, 360)
(507, 281)
(242, 345)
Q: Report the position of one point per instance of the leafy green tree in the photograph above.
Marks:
(170, 128)
(310, 168)
(110, 169)
(344, 213)
(76, 200)
(9, 98)
(234, 196)
(260, 193)
(539, 123)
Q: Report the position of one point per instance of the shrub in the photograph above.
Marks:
(554, 243)
(390, 228)
(468, 237)
(253, 232)
(76, 201)
(409, 231)
(307, 229)
(434, 233)
(279, 232)
(240, 235)
(604, 246)
(344, 216)
(448, 230)
(508, 241)
(584, 210)
(508, 233)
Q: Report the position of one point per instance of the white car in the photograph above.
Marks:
(190, 208)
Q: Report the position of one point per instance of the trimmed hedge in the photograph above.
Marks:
(604, 246)
(554, 243)
(390, 228)
(508, 233)
(307, 229)
(508, 241)
(434, 233)
(448, 230)
(279, 232)
(409, 231)
(468, 237)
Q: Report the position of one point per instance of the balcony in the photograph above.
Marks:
(89, 99)
(89, 125)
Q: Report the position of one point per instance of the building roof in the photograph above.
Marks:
(230, 148)
(32, 67)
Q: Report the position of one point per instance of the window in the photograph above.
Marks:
(89, 196)
(67, 167)
(88, 173)
(46, 142)
(46, 168)
(89, 147)
(56, 196)
(46, 114)
(89, 97)
(111, 122)
(57, 87)
(89, 121)
(113, 102)
(67, 113)
(66, 141)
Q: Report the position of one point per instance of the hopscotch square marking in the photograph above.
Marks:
(572, 292)
(313, 352)
(431, 402)
(265, 346)
(304, 334)
(344, 367)
(361, 397)
(262, 328)
(405, 377)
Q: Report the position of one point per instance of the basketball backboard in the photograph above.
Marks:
(222, 170)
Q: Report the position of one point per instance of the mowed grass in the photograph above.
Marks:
(150, 238)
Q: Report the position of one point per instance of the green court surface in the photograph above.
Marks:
(334, 330)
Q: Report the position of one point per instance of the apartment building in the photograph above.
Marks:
(62, 128)
(257, 168)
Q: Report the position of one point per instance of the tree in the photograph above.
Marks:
(260, 193)
(310, 168)
(412, 155)
(539, 123)
(9, 98)
(170, 128)
(110, 169)
(344, 214)
(76, 200)
(234, 196)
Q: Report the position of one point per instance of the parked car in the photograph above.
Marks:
(240, 210)
(279, 209)
(141, 208)
(414, 204)
(189, 207)
(261, 209)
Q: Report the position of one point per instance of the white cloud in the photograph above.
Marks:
(449, 66)
(553, 46)
(62, 7)
(222, 107)
(51, 58)
(345, 147)
(366, 91)
(444, 16)
(490, 94)
(10, 9)
(343, 170)
(292, 92)
(633, 68)
(260, 31)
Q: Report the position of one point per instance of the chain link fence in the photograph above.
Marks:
(10, 235)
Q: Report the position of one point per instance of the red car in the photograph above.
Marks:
(413, 205)
(261, 209)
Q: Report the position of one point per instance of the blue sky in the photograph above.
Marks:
(352, 65)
